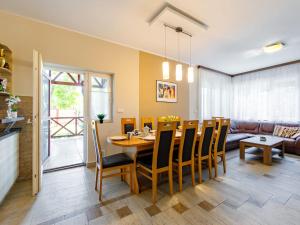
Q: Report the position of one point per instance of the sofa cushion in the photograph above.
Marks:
(289, 142)
(238, 126)
(237, 137)
(266, 128)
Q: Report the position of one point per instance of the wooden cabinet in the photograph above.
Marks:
(9, 162)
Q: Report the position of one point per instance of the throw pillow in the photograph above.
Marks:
(287, 132)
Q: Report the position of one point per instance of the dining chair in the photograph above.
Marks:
(161, 159)
(120, 161)
(220, 143)
(204, 148)
(185, 153)
(215, 118)
(147, 121)
(128, 125)
(163, 119)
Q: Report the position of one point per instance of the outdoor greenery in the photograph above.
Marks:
(64, 97)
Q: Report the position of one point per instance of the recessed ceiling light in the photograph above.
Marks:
(273, 47)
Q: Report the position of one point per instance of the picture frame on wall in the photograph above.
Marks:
(166, 91)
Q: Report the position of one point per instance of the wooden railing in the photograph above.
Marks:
(66, 126)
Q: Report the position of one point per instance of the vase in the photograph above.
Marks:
(14, 114)
(101, 121)
(8, 111)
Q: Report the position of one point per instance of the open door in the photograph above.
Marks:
(41, 122)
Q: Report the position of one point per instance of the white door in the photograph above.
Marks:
(41, 87)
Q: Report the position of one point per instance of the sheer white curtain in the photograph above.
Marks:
(214, 94)
(268, 95)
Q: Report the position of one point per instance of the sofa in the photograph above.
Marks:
(240, 130)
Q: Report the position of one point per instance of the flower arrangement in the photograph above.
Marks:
(169, 118)
(3, 84)
(12, 103)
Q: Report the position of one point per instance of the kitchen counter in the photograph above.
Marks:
(12, 131)
(9, 160)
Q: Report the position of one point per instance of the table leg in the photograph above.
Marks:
(283, 150)
(134, 173)
(242, 151)
(267, 154)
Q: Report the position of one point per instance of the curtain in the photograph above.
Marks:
(214, 94)
(267, 95)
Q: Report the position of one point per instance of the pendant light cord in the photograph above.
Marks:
(178, 46)
(190, 51)
(165, 42)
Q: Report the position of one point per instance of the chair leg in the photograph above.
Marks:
(200, 170)
(154, 187)
(179, 177)
(209, 167)
(131, 177)
(100, 191)
(97, 174)
(216, 164)
(122, 176)
(171, 181)
(193, 172)
(224, 162)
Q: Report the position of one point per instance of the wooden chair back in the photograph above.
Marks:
(147, 121)
(128, 125)
(206, 138)
(164, 145)
(215, 118)
(163, 119)
(188, 140)
(96, 141)
(220, 142)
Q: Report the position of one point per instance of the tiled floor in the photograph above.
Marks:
(64, 152)
(250, 193)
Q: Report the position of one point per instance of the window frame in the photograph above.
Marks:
(90, 86)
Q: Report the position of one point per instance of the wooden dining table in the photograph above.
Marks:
(140, 145)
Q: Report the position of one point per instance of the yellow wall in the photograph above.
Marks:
(135, 73)
(68, 48)
(150, 71)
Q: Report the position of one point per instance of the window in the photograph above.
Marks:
(101, 96)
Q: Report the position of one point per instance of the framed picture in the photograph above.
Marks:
(166, 91)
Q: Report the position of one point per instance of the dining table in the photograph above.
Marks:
(136, 145)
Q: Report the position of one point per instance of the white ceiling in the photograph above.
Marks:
(232, 43)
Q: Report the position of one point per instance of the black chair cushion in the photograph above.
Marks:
(116, 160)
(146, 161)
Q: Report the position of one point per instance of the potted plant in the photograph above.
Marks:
(101, 117)
(12, 102)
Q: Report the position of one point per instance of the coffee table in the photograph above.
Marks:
(266, 146)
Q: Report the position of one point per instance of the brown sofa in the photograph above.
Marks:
(243, 129)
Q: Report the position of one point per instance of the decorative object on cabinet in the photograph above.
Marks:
(2, 58)
(3, 84)
(12, 102)
(5, 67)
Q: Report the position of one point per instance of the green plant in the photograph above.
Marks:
(14, 108)
(64, 97)
(101, 116)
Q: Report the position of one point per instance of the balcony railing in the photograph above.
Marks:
(66, 126)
